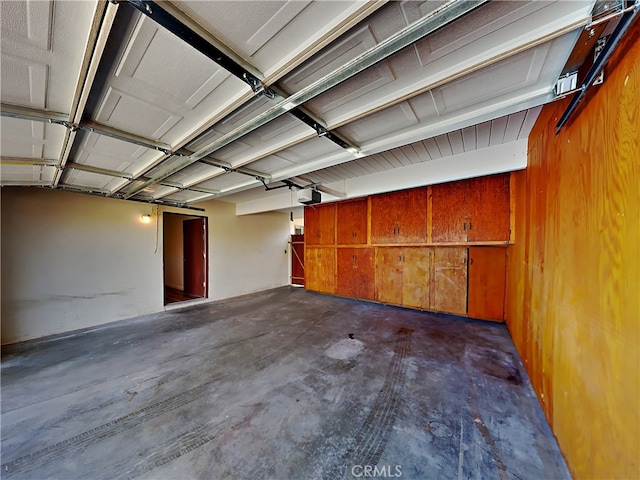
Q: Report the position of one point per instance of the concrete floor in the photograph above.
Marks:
(282, 384)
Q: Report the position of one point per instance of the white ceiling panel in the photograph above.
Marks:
(273, 36)
(32, 139)
(195, 173)
(224, 181)
(184, 196)
(91, 181)
(26, 174)
(475, 83)
(42, 47)
(484, 35)
(106, 152)
(295, 155)
(161, 88)
(273, 136)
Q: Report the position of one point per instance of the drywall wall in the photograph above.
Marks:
(247, 253)
(72, 261)
(573, 304)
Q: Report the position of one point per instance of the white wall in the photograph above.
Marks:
(71, 261)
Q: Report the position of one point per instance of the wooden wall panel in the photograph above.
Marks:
(574, 272)
(449, 212)
(320, 269)
(356, 273)
(488, 205)
(487, 279)
(415, 277)
(449, 288)
(389, 275)
(320, 224)
(399, 217)
(352, 222)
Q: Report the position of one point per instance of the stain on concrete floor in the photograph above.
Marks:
(282, 384)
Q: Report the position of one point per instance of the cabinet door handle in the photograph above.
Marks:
(470, 225)
(464, 227)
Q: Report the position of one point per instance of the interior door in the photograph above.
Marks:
(487, 282)
(449, 286)
(195, 258)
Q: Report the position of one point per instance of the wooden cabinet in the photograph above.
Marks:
(399, 217)
(356, 273)
(320, 224)
(352, 219)
(449, 285)
(475, 210)
(487, 282)
(402, 276)
(320, 268)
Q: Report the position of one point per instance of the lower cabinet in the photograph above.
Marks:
(320, 269)
(487, 282)
(467, 281)
(449, 285)
(356, 273)
(402, 276)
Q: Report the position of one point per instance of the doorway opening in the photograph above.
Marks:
(185, 240)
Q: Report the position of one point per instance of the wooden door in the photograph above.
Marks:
(297, 259)
(195, 258)
(449, 212)
(415, 277)
(389, 269)
(399, 217)
(449, 286)
(351, 220)
(355, 273)
(320, 269)
(487, 282)
(319, 224)
(488, 206)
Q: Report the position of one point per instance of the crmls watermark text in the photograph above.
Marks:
(375, 471)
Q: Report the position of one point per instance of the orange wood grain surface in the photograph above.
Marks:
(352, 222)
(488, 206)
(320, 224)
(389, 270)
(320, 269)
(449, 212)
(416, 283)
(355, 277)
(399, 217)
(449, 288)
(487, 283)
(573, 293)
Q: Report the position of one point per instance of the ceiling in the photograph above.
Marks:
(184, 101)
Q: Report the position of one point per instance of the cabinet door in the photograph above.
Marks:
(352, 222)
(488, 205)
(399, 217)
(320, 269)
(319, 224)
(487, 282)
(389, 269)
(415, 277)
(356, 273)
(449, 286)
(449, 212)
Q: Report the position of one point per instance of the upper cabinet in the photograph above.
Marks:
(399, 217)
(320, 224)
(475, 210)
(352, 222)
